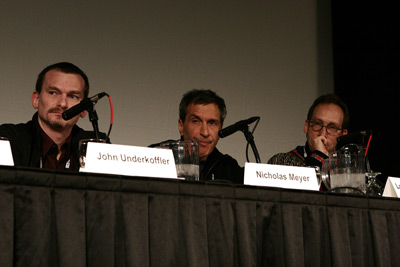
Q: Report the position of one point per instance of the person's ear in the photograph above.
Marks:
(35, 99)
(83, 114)
(180, 127)
(306, 126)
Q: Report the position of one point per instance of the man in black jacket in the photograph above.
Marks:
(201, 116)
(48, 141)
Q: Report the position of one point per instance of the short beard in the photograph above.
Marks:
(55, 125)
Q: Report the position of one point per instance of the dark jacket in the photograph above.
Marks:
(221, 167)
(218, 167)
(26, 142)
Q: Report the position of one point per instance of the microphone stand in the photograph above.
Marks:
(250, 139)
(94, 118)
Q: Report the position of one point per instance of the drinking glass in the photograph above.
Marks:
(83, 149)
(186, 155)
(373, 188)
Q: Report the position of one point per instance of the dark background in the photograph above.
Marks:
(366, 62)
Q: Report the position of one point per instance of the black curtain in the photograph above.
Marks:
(59, 219)
(366, 62)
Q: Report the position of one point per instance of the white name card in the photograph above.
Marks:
(5, 153)
(392, 187)
(280, 176)
(129, 160)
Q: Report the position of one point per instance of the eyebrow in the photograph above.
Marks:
(329, 124)
(194, 116)
(53, 88)
(71, 92)
(197, 117)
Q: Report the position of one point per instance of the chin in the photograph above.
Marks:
(58, 125)
(204, 154)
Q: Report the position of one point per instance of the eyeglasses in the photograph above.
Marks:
(330, 129)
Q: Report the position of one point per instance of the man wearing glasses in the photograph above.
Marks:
(327, 119)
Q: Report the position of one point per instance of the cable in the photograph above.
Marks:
(248, 143)
(112, 115)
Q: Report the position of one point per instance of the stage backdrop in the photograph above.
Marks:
(265, 58)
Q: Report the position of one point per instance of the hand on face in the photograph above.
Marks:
(324, 114)
(202, 122)
(320, 143)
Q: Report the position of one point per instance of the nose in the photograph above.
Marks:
(323, 131)
(62, 101)
(204, 130)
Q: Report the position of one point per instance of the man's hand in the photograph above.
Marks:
(320, 143)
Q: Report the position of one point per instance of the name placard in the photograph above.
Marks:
(129, 160)
(5, 153)
(392, 187)
(280, 176)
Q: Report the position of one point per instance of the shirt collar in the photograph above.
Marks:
(48, 143)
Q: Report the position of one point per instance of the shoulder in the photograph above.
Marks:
(284, 159)
(227, 166)
(20, 131)
(230, 160)
(232, 169)
(291, 158)
(14, 130)
(277, 157)
(166, 142)
(223, 158)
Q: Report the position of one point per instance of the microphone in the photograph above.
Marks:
(83, 105)
(240, 125)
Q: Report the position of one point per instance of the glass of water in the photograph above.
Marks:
(186, 154)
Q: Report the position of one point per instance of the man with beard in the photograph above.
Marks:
(48, 141)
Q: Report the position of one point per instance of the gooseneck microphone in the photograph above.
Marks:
(83, 105)
(239, 126)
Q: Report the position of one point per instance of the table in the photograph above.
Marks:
(51, 218)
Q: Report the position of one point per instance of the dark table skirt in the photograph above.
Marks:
(50, 218)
